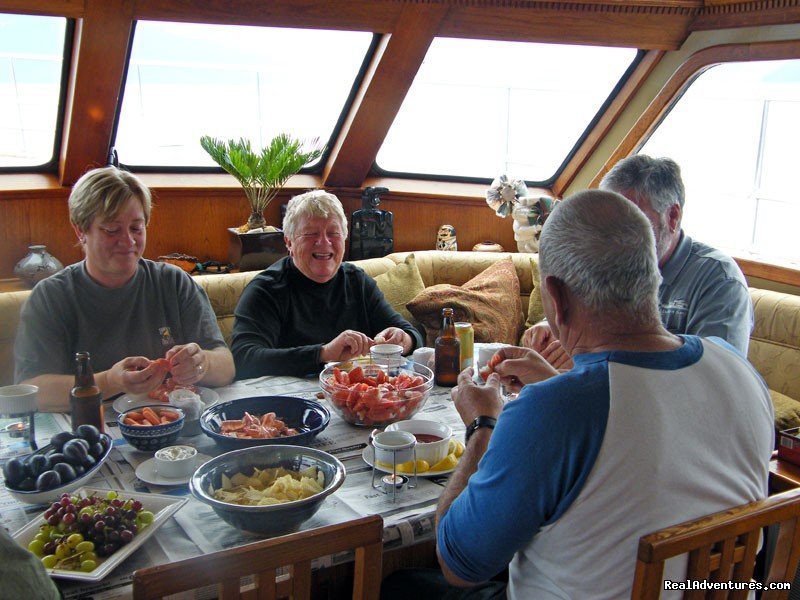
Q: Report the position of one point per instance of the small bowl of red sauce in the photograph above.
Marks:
(433, 438)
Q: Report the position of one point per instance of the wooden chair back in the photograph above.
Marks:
(722, 547)
(262, 559)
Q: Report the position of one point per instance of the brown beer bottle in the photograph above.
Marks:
(447, 351)
(85, 399)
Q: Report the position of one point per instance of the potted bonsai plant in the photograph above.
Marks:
(263, 173)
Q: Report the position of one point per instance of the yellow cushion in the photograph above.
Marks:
(535, 308)
(490, 301)
(400, 285)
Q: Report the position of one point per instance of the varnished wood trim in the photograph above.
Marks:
(95, 84)
(26, 182)
(385, 87)
(681, 79)
(622, 5)
(721, 14)
(607, 120)
(770, 272)
(656, 27)
(63, 8)
(354, 15)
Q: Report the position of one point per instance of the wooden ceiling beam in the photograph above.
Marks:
(721, 14)
(62, 8)
(98, 63)
(356, 15)
(655, 28)
(385, 86)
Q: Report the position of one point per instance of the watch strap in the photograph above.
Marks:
(477, 423)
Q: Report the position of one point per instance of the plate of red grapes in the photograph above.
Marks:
(85, 534)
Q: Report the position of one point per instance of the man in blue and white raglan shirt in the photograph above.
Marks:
(647, 430)
(703, 291)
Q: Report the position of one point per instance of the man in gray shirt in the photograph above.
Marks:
(703, 292)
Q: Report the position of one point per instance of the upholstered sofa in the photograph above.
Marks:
(774, 343)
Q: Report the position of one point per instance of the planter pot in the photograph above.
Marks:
(255, 251)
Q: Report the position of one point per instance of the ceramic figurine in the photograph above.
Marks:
(510, 196)
(446, 238)
(529, 215)
(37, 265)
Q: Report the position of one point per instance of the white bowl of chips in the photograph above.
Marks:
(268, 490)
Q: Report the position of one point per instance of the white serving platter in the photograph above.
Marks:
(162, 507)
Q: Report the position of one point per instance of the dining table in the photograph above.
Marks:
(196, 529)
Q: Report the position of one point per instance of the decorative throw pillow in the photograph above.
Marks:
(490, 301)
(400, 285)
(535, 308)
(787, 412)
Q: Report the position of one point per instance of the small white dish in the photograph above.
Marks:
(393, 446)
(128, 402)
(430, 451)
(368, 454)
(175, 461)
(148, 472)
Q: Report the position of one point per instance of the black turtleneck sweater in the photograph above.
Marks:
(283, 318)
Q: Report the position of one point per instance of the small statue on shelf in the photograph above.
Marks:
(446, 238)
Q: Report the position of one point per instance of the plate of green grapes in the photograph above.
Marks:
(85, 534)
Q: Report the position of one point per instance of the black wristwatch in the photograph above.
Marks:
(481, 421)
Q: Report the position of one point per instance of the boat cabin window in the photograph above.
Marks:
(32, 53)
(734, 133)
(478, 108)
(186, 80)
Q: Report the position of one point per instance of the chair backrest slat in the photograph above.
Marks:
(699, 562)
(724, 569)
(262, 559)
(723, 547)
(747, 562)
(266, 585)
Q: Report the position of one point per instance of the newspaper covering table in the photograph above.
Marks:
(196, 529)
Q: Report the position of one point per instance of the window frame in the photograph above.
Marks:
(314, 170)
(51, 166)
(628, 75)
(671, 93)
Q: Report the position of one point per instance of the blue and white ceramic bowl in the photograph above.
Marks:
(154, 437)
(307, 417)
(275, 518)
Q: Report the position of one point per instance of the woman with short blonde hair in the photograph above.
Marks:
(125, 310)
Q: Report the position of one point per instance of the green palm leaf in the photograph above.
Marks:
(261, 174)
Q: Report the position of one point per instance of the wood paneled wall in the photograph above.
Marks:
(193, 218)
(195, 222)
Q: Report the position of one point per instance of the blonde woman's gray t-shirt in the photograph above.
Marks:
(160, 307)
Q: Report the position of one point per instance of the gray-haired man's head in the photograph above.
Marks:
(601, 247)
(655, 186)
